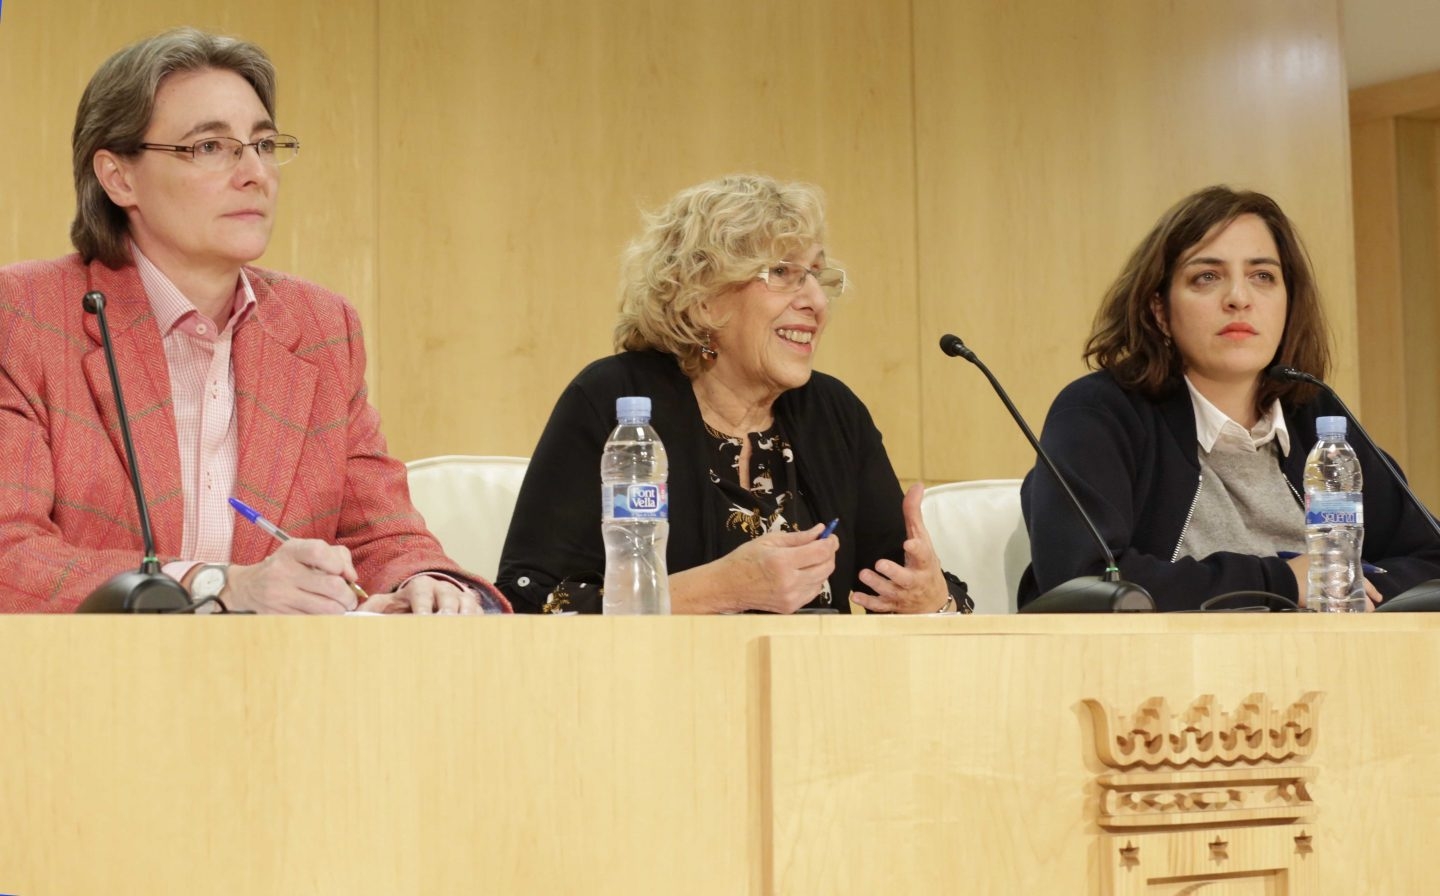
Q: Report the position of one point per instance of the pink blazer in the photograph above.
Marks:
(312, 458)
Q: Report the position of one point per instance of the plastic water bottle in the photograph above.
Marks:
(1334, 522)
(634, 513)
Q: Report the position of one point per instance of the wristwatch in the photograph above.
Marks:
(208, 581)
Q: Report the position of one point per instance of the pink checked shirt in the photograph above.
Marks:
(202, 386)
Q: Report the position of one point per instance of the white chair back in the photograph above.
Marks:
(467, 502)
(979, 535)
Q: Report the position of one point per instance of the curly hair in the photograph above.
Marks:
(1127, 340)
(707, 239)
(115, 111)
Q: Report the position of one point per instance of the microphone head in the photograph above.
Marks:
(94, 301)
(951, 345)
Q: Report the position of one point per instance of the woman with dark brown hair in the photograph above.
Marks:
(1187, 456)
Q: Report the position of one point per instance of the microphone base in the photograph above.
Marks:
(1423, 598)
(1092, 594)
(136, 592)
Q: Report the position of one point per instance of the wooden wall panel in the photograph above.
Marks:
(1415, 97)
(1380, 308)
(471, 172)
(1395, 155)
(519, 141)
(1417, 143)
(1050, 137)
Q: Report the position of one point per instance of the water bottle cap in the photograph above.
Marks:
(1330, 427)
(633, 407)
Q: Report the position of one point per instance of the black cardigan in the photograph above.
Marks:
(841, 467)
(1134, 463)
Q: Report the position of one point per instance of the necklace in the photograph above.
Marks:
(713, 418)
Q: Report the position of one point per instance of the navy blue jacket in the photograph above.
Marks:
(1134, 463)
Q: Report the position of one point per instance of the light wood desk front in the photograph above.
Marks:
(695, 756)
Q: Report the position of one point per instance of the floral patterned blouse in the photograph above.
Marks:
(773, 502)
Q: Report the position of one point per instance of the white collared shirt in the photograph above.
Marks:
(1213, 427)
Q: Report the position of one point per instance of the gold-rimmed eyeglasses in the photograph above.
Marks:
(786, 276)
(223, 153)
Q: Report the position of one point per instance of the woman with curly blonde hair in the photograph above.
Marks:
(725, 297)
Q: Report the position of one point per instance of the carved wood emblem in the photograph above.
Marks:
(1202, 734)
(1206, 794)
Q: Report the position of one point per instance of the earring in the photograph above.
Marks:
(707, 348)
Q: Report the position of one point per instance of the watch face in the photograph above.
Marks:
(208, 582)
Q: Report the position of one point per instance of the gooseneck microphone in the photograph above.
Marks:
(1106, 593)
(148, 590)
(1425, 597)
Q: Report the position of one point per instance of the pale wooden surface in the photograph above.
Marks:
(968, 758)
(471, 171)
(1395, 147)
(540, 755)
(1191, 865)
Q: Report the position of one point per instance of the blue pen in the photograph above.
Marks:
(830, 528)
(279, 534)
(1368, 568)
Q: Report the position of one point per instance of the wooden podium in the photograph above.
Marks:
(719, 755)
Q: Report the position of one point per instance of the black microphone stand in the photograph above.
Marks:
(148, 590)
(1424, 597)
(1106, 593)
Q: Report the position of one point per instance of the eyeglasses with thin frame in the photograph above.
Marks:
(786, 276)
(223, 153)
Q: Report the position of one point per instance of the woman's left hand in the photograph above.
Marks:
(919, 585)
(426, 595)
(1373, 597)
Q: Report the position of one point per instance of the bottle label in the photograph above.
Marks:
(636, 501)
(1334, 509)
